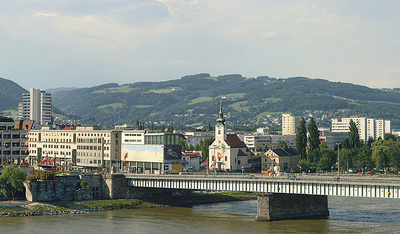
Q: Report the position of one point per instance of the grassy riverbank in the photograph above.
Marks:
(221, 197)
(78, 207)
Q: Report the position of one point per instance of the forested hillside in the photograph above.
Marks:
(194, 100)
(10, 94)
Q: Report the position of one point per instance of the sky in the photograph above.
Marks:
(83, 43)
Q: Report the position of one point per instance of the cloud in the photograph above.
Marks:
(40, 14)
(268, 35)
(123, 38)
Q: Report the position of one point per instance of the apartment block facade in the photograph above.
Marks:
(367, 127)
(36, 106)
(13, 147)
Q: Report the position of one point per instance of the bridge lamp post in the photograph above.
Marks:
(338, 161)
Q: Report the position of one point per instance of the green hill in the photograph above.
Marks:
(10, 94)
(195, 99)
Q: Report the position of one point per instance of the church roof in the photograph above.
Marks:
(234, 142)
(241, 153)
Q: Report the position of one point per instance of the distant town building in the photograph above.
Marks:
(36, 106)
(85, 148)
(258, 143)
(151, 152)
(88, 148)
(285, 159)
(13, 140)
(191, 161)
(289, 124)
(227, 152)
(367, 127)
(194, 138)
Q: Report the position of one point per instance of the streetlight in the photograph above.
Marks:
(338, 161)
(242, 170)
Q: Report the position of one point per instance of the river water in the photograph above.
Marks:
(347, 215)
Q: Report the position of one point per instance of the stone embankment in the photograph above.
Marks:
(42, 213)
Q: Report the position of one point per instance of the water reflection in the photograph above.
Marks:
(346, 215)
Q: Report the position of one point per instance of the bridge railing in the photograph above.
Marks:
(301, 178)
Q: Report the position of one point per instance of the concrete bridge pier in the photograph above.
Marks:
(280, 206)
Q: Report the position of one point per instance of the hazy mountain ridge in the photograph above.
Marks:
(194, 99)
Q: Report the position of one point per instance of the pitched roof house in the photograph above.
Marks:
(285, 159)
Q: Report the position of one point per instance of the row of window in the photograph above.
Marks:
(80, 140)
(56, 152)
(133, 134)
(56, 146)
(14, 152)
(89, 154)
(92, 147)
(133, 140)
(88, 161)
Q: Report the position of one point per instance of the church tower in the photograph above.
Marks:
(220, 128)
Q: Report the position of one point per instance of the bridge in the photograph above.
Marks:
(371, 187)
(285, 197)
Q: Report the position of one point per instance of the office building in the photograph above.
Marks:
(36, 106)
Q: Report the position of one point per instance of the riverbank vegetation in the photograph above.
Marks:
(221, 197)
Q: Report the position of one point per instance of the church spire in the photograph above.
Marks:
(221, 119)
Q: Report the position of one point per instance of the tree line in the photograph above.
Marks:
(352, 153)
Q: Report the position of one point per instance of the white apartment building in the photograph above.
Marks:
(258, 143)
(36, 106)
(367, 127)
(194, 138)
(289, 124)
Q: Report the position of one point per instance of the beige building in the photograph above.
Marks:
(285, 159)
(289, 124)
(83, 147)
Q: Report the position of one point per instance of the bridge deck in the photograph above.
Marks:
(353, 187)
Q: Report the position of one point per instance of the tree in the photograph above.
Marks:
(380, 154)
(354, 137)
(327, 159)
(388, 136)
(84, 184)
(304, 165)
(170, 129)
(209, 128)
(11, 181)
(183, 144)
(204, 145)
(301, 138)
(282, 144)
(313, 138)
(394, 153)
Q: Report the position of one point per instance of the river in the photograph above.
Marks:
(347, 215)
